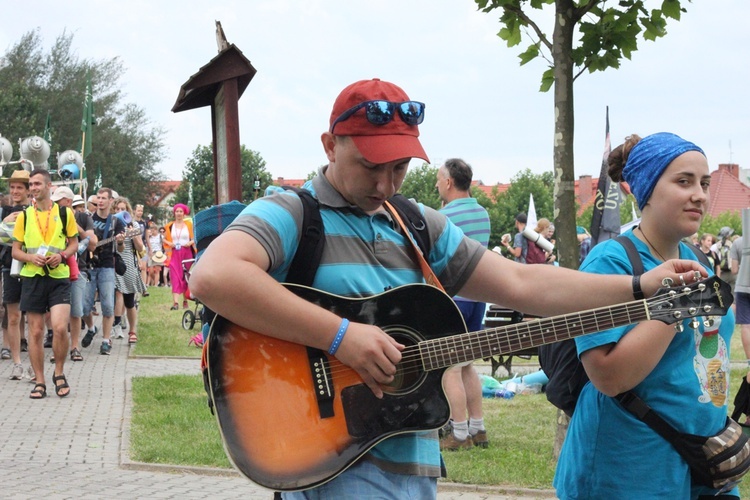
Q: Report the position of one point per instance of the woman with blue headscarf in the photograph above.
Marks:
(608, 452)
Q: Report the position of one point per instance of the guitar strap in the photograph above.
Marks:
(429, 274)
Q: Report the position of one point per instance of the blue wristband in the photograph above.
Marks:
(339, 337)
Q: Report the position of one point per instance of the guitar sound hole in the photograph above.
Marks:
(409, 373)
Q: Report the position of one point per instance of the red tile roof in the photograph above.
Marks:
(728, 193)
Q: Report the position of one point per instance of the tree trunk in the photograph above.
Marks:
(565, 210)
(561, 431)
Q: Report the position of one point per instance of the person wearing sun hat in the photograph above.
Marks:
(18, 186)
(372, 135)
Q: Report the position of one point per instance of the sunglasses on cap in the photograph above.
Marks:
(381, 112)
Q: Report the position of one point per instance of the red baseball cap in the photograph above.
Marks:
(377, 143)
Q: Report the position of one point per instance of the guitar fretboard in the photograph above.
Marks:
(449, 351)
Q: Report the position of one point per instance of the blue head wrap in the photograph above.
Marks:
(649, 158)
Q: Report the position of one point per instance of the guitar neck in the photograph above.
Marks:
(448, 351)
(128, 236)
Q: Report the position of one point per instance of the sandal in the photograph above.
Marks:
(75, 355)
(39, 392)
(174, 307)
(59, 388)
(132, 338)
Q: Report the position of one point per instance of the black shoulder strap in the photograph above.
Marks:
(63, 218)
(633, 256)
(312, 241)
(413, 217)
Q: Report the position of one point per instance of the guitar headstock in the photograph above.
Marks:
(709, 297)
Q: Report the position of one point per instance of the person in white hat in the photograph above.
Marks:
(64, 197)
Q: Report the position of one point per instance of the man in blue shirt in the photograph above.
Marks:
(461, 383)
(373, 135)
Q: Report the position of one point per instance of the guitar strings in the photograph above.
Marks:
(447, 351)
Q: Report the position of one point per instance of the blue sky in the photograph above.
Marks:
(481, 105)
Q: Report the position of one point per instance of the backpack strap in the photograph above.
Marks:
(414, 220)
(633, 256)
(306, 261)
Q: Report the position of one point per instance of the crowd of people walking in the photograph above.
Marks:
(61, 256)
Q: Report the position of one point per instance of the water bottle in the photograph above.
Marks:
(504, 393)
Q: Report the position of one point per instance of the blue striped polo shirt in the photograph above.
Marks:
(364, 255)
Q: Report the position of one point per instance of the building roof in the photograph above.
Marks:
(728, 193)
(160, 190)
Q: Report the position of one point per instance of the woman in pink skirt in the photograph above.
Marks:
(179, 238)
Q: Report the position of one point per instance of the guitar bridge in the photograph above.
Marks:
(320, 370)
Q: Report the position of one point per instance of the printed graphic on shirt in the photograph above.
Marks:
(711, 361)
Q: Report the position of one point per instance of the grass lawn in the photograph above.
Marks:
(171, 423)
(160, 331)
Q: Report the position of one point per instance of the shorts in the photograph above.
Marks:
(103, 280)
(77, 295)
(473, 313)
(742, 303)
(41, 293)
(11, 288)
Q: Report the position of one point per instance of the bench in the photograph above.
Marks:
(498, 316)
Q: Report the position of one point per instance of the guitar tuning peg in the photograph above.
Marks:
(694, 324)
(667, 282)
(679, 328)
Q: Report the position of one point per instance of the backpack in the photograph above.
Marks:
(560, 361)
(213, 221)
(724, 256)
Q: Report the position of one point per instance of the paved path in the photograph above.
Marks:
(77, 447)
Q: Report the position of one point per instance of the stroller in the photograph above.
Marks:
(189, 316)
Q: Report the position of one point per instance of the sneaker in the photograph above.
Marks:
(52, 359)
(31, 375)
(17, 372)
(480, 439)
(24, 345)
(184, 304)
(450, 443)
(5, 353)
(89, 337)
(105, 348)
(117, 332)
(48, 339)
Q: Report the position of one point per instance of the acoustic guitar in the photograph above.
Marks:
(293, 418)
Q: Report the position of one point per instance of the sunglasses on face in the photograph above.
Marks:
(382, 112)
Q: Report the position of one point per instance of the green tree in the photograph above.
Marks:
(126, 146)
(608, 32)
(199, 171)
(516, 199)
(419, 184)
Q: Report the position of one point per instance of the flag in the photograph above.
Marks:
(531, 214)
(605, 222)
(87, 121)
(98, 182)
(47, 135)
(190, 198)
